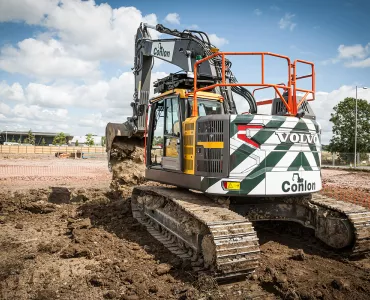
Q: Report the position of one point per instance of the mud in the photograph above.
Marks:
(79, 240)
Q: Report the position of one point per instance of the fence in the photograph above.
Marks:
(345, 159)
(19, 149)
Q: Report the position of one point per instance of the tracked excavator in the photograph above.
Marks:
(222, 170)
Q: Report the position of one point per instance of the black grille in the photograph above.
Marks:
(212, 153)
(209, 166)
(211, 131)
(210, 161)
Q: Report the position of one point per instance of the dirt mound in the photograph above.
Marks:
(128, 168)
(93, 248)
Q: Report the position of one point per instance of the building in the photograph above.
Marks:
(20, 136)
(82, 140)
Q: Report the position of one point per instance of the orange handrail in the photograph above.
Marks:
(268, 101)
(291, 105)
(295, 78)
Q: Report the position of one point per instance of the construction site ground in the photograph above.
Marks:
(64, 234)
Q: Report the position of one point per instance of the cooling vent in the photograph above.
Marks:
(211, 131)
(209, 161)
(212, 162)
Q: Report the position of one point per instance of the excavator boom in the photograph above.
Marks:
(182, 51)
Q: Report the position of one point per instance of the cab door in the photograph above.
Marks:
(172, 134)
(165, 146)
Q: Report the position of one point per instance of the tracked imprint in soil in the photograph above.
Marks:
(212, 238)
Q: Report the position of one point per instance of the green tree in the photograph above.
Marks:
(343, 120)
(30, 139)
(19, 140)
(43, 143)
(60, 139)
(102, 141)
(325, 147)
(13, 140)
(90, 140)
(157, 140)
(76, 144)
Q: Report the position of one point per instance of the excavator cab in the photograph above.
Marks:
(165, 134)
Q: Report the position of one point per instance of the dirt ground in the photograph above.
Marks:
(64, 234)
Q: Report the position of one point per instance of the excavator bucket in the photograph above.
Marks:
(122, 146)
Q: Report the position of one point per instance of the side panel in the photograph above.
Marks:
(188, 128)
(271, 155)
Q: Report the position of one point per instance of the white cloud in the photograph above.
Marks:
(30, 11)
(217, 41)
(116, 92)
(81, 30)
(353, 56)
(102, 102)
(354, 51)
(39, 113)
(325, 101)
(257, 12)
(11, 92)
(24, 117)
(173, 18)
(46, 60)
(93, 120)
(359, 64)
(5, 109)
(97, 31)
(286, 22)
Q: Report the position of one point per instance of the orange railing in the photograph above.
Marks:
(266, 101)
(312, 76)
(290, 104)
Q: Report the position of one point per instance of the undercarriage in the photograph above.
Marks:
(215, 235)
(340, 225)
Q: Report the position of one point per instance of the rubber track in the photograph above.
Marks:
(237, 250)
(359, 217)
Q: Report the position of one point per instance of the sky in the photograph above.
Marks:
(65, 65)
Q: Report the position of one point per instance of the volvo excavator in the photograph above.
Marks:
(221, 170)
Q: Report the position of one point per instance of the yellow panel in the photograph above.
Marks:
(185, 94)
(207, 95)
(219, 145)
(188, 127)
(233, 185)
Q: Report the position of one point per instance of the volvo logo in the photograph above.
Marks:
(298, 184)
(298, 137)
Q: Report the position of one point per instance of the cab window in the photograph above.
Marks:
(206, 107)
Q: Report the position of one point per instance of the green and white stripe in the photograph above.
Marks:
(254, 167)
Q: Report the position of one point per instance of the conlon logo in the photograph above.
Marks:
(298, 184)
(293, 137)
(163, 50)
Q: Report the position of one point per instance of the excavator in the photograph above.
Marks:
(215, 171)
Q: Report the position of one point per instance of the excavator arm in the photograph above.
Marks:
(183, 50)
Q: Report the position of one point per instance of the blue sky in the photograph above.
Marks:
(65, 65)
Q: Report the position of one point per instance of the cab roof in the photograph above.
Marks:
(186, 94)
